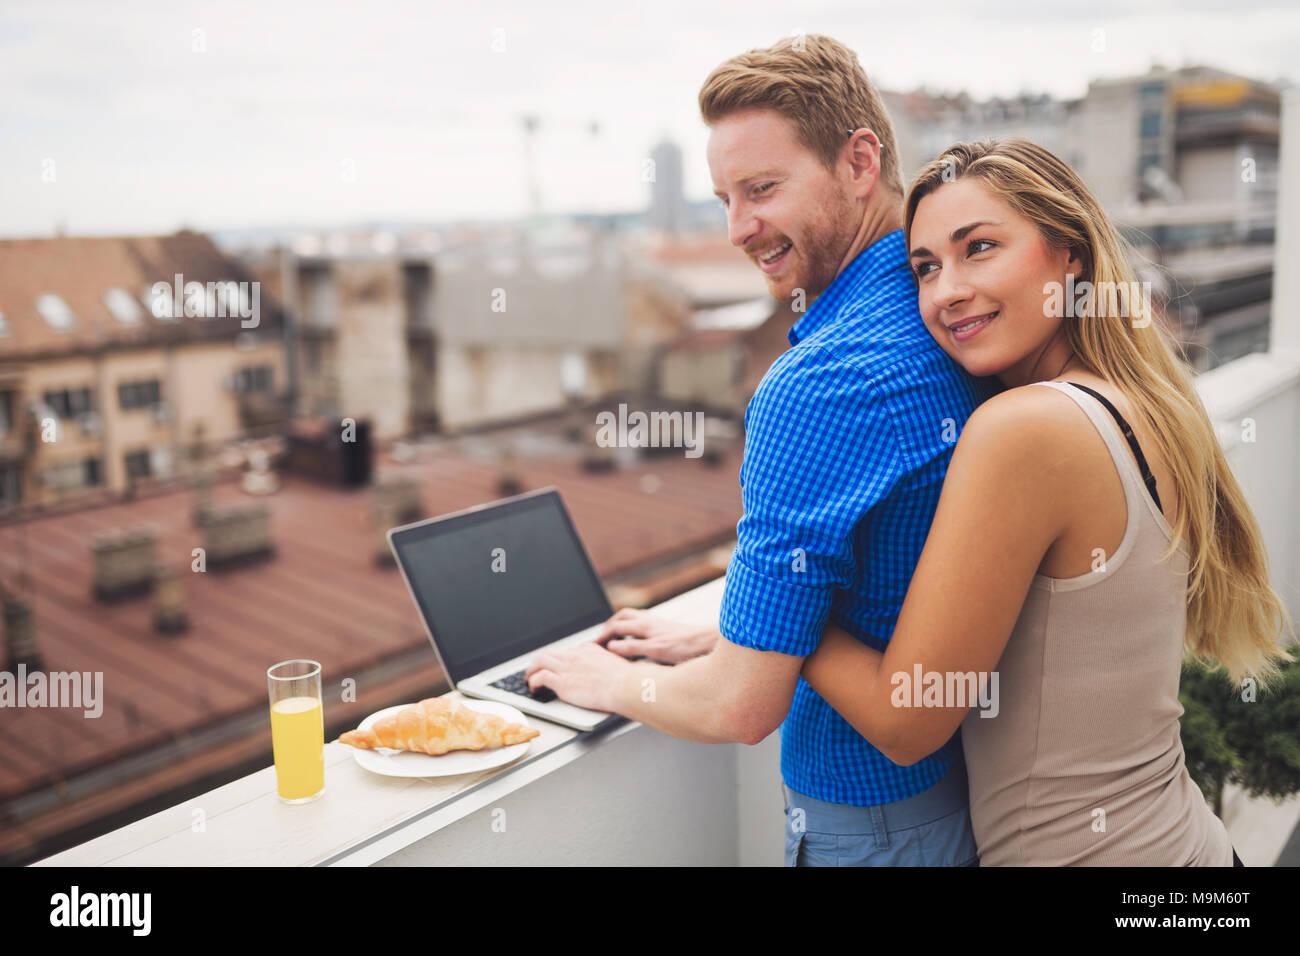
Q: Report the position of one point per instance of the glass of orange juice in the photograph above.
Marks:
(297, 730)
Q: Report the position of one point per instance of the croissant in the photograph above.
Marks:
(437, 725)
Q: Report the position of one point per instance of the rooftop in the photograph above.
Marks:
(199, 695)
(63, 295)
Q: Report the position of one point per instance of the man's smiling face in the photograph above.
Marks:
(778, 195)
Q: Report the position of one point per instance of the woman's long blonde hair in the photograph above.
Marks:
(1234, 617)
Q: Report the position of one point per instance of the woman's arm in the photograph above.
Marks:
(1005, 500)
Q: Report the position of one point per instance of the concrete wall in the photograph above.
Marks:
(1107, 141)
(1255, 402)
(370, 360)
(642, 799)
(704, 376)
(548, 301)
(1209, 174)
(480, 384)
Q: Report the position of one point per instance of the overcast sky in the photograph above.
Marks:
(154, 115)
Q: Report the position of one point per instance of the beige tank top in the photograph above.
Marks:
(1083, 763)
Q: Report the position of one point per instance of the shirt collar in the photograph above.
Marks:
(886, 254)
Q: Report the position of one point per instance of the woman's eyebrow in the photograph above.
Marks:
(957, 236)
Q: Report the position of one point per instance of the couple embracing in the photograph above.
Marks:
(948, 475)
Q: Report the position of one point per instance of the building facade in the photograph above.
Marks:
(116, 354)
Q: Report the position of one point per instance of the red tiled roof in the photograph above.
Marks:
(704, 339)
(322, 597)
(708, 247)
(82, 270)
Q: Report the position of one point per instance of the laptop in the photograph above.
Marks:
(498, 583)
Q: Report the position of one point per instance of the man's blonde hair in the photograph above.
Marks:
(817, 84)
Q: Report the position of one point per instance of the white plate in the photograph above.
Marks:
(407, 763)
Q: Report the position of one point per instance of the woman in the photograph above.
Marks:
(1072, 558)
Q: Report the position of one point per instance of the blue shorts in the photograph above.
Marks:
(931, 828)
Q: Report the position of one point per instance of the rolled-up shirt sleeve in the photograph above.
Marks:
(821, 449)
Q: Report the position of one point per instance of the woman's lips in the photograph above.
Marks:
(971, 332)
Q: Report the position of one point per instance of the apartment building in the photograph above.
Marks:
(116, 353)
(480, 334)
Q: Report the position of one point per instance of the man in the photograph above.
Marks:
(848, 437)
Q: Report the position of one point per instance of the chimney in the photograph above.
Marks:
(396, 502)
(124, 560)
(20, 633)
(169, 614)
(508, 480)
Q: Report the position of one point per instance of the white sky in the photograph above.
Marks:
(146, 134)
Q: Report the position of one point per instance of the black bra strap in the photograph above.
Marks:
(1148, 478)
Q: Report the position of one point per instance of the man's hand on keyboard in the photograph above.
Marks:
(584, 675)
(659, 639)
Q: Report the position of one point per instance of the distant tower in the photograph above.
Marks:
(667, 200)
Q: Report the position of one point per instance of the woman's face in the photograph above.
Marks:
(981, 270)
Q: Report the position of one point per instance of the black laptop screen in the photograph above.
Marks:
(496, 583)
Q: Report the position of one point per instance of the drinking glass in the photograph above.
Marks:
(297, 730)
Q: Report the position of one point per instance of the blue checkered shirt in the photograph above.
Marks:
(847, 440)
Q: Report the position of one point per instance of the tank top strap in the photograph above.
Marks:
(1134, 486)
(1148, 479)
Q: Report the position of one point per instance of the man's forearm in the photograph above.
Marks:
(689, 701)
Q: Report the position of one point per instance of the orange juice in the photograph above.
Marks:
(298, 741)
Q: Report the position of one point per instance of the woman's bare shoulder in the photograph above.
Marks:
(1029, 447)
(1027, 415)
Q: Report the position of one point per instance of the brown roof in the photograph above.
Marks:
(700, 340)
(709, 247)
(762, 345)
(82, 270)
(322, 597)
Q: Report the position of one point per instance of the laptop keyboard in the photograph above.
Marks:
(515, 684)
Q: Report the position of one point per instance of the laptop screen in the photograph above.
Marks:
(500, 581)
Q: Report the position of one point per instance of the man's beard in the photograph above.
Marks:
(822, 251)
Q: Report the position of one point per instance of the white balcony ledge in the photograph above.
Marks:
(627, 795)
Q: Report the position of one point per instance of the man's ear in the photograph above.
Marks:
(874, 142)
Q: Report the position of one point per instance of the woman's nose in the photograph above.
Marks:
(951, 289)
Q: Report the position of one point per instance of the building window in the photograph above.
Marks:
(69, 402)
(573, 374)
(11, 489)
(255, 378)
(318, 296)
(142, 394)
(124, 308)
(137, 465)
(1150, 127)
(417, 288)
(73, 475)
(55, 312)
(6, 412)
